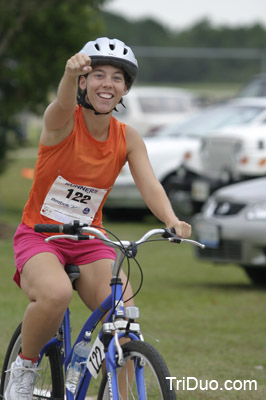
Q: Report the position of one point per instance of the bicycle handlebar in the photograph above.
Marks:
(75, 231)
(71, 229)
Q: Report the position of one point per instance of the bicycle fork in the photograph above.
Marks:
(112, 366)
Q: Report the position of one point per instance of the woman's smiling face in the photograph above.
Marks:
(105, 86)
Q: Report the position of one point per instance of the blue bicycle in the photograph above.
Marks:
(134, 370)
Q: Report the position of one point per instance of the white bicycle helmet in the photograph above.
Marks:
(112, 52)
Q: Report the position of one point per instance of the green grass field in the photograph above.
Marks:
(208, 322)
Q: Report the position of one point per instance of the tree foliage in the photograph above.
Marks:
(36, 39)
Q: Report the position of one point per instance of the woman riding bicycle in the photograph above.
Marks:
(82, 150)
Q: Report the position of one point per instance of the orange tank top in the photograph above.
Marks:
(73, 178)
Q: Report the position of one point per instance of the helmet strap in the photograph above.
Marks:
(83, 100)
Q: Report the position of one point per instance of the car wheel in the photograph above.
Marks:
(256, 274)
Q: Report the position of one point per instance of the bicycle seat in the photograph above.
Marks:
(73, 272)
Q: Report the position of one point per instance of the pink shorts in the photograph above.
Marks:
(28, 243)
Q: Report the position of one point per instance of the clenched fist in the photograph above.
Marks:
(79, 64)
(182, 229)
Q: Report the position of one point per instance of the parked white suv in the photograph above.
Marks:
(230, 154)
(235, 154)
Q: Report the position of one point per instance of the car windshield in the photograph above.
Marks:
(164, 104)
(209, 120)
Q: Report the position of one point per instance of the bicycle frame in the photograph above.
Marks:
(114, 303)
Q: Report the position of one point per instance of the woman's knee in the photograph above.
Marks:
(52, 295)
(57, 296)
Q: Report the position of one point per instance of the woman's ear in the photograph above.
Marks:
(126, 90)
(83, 82)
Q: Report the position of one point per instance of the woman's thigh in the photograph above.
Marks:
(93, 284)
(43, 275)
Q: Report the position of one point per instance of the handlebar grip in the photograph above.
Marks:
(50, 228)
(171, 234)
(71, 229)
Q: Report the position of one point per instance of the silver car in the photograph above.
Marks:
(232, 225)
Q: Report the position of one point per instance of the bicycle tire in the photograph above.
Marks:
(50, 380)
(155, 372)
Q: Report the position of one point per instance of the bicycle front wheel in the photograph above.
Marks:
(140, 356)
(50, 381)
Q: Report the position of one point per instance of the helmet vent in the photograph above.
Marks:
(125, 51)
(112, 47)
(97, 46)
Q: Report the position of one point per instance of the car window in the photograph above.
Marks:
(163, 104)
(167, 131)
(213, 119)
(242, 115)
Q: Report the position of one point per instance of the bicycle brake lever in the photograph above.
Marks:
(171, 235)
(73, 228)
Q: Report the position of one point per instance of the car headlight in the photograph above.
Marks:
(209, 207)
(257, 212)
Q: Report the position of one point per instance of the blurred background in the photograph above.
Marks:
(200, 104)
(208, 48)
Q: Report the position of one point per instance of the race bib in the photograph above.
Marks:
(66, 201)
(96, 358)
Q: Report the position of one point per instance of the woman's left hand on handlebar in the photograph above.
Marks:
(182, 229)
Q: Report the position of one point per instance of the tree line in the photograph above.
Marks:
(202, 35)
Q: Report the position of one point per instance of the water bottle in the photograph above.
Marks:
(77, 365)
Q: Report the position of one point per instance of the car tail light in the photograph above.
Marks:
(262, 162)
(188, 155)
(244, 160)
